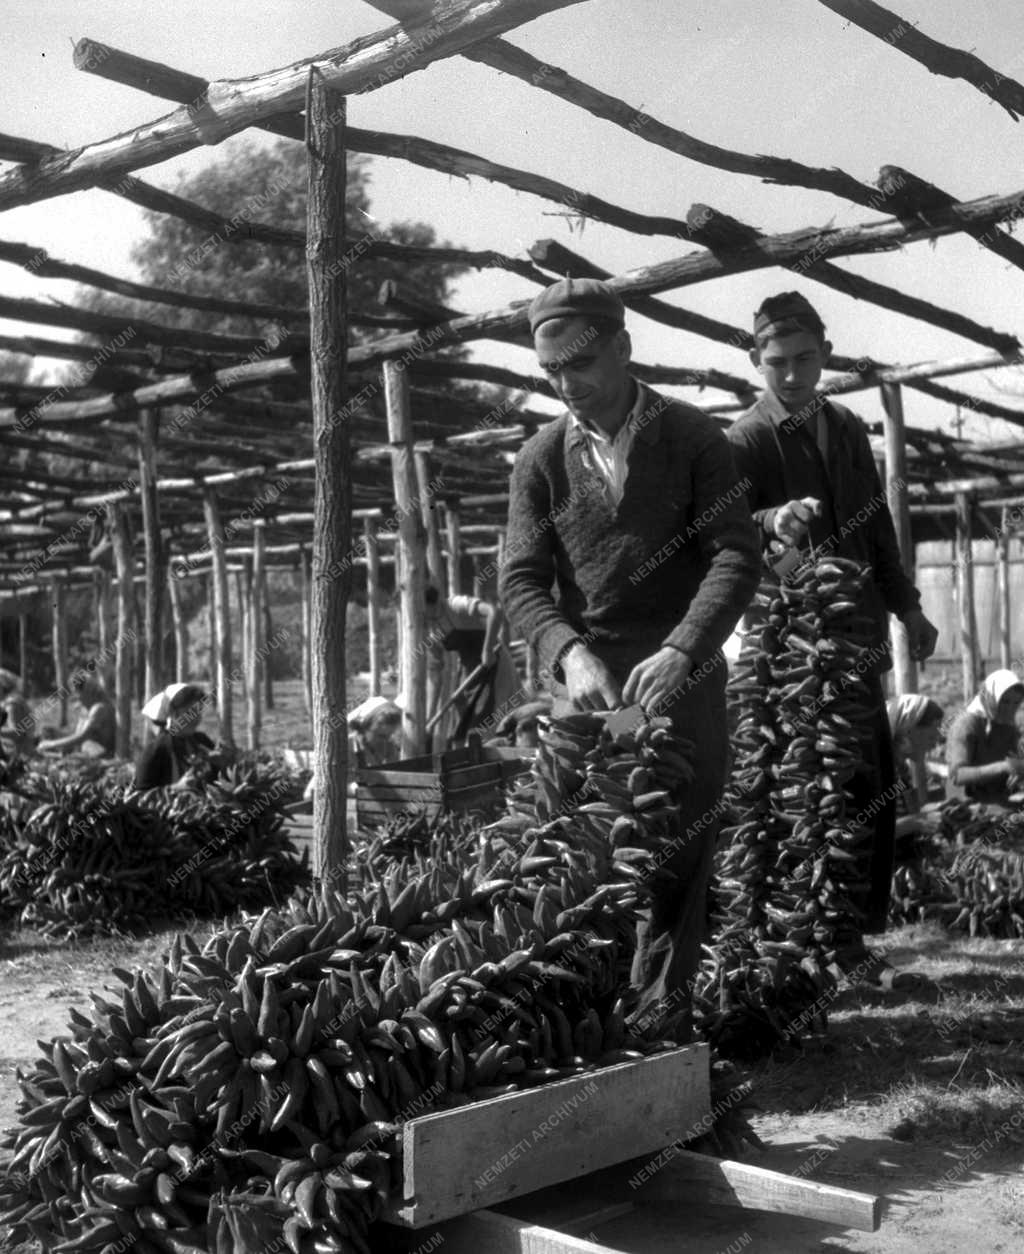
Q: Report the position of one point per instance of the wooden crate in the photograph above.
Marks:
(479, 1155)
(458, 781)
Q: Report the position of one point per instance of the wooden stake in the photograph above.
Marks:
(968, 620)
(268, 632)
(327, 270)
(372, 602)
(127, 632)
(221, 626)
(23, 651)
(454, 542)
(306, 582)
(149, 424)
(904, 666)
(256, 642)
(412, 544)
(180, 629)
(58, 603)
(1005, 618)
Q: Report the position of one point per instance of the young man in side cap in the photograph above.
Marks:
(630, 557)
(812, 479)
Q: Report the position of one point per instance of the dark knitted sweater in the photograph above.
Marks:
(676, 562)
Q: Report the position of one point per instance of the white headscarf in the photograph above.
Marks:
(991, 692)
(158, 708)
(905, 712)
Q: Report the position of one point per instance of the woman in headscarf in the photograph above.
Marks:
(179, 748)
(916, 725)
(982, 748)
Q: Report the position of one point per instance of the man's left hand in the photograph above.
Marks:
(922, 635)
(657, 677)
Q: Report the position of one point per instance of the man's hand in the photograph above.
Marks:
(656, 677)
(791, 519)
(590, 683)
(488, 657)
(921, 635)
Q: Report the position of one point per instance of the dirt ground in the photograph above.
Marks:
(903, 1100)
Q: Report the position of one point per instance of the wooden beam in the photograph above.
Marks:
(306, 592)
(59, 637)
(905, 668)
(156, 566)
(257, 643)
(220, 618)
(454, 547)
(373, 594)
(936, 57)
(230, 106)
(1005, 616)
(412, 547)
(332, 528)
(964, 558)
(179, 625)
(124, 689)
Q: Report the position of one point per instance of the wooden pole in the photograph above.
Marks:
(243, 595)
(435, 661)
(58, 603)
(23, 650)
(454, 543)
(1005, 618)
(149, 425)
(180, 629)
(372, 602)
(478, 581)
(268, 632)
(412, 544)
(124, 656)
(968, 620)
(257, 650)
(306, 581)
(100, 586)
(904, 666)
(221, 629)
(327, 270)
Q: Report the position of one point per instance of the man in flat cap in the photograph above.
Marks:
(812, 479)
(630, 557)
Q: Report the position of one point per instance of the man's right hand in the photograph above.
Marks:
(791, 519)
(590, 683)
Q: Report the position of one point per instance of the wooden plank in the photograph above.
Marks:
(464, 1159)
(399, 796)
(721, 1182)
(370, 777)
(489, 1232)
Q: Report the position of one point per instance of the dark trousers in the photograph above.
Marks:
(674, 925)
(875, 791)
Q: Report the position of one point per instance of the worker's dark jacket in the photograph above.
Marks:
(780, 460)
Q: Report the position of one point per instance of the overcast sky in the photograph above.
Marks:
(790, 80)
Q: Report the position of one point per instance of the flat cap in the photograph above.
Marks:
(577, 298)
(783, 306)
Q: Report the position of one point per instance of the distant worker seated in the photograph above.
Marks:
(916, 725)
(95, 733)
(982, 747)
(375, 732)
(180, 754)
(18, 734)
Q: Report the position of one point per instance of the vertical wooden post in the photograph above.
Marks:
(478, 579)
(180, 628)
(124, 656)
(431, 523)
(59, 619)
(372, 601)
(904, 666)
(454, 543)
(243, 595)
(221, 613)
(967, 616)
(412, 547)
(268, 633)
(256, 649)
(306, 582)
(23, 649)
(1005, 618)
(100, 588)
(149, 425)
(332, 526)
